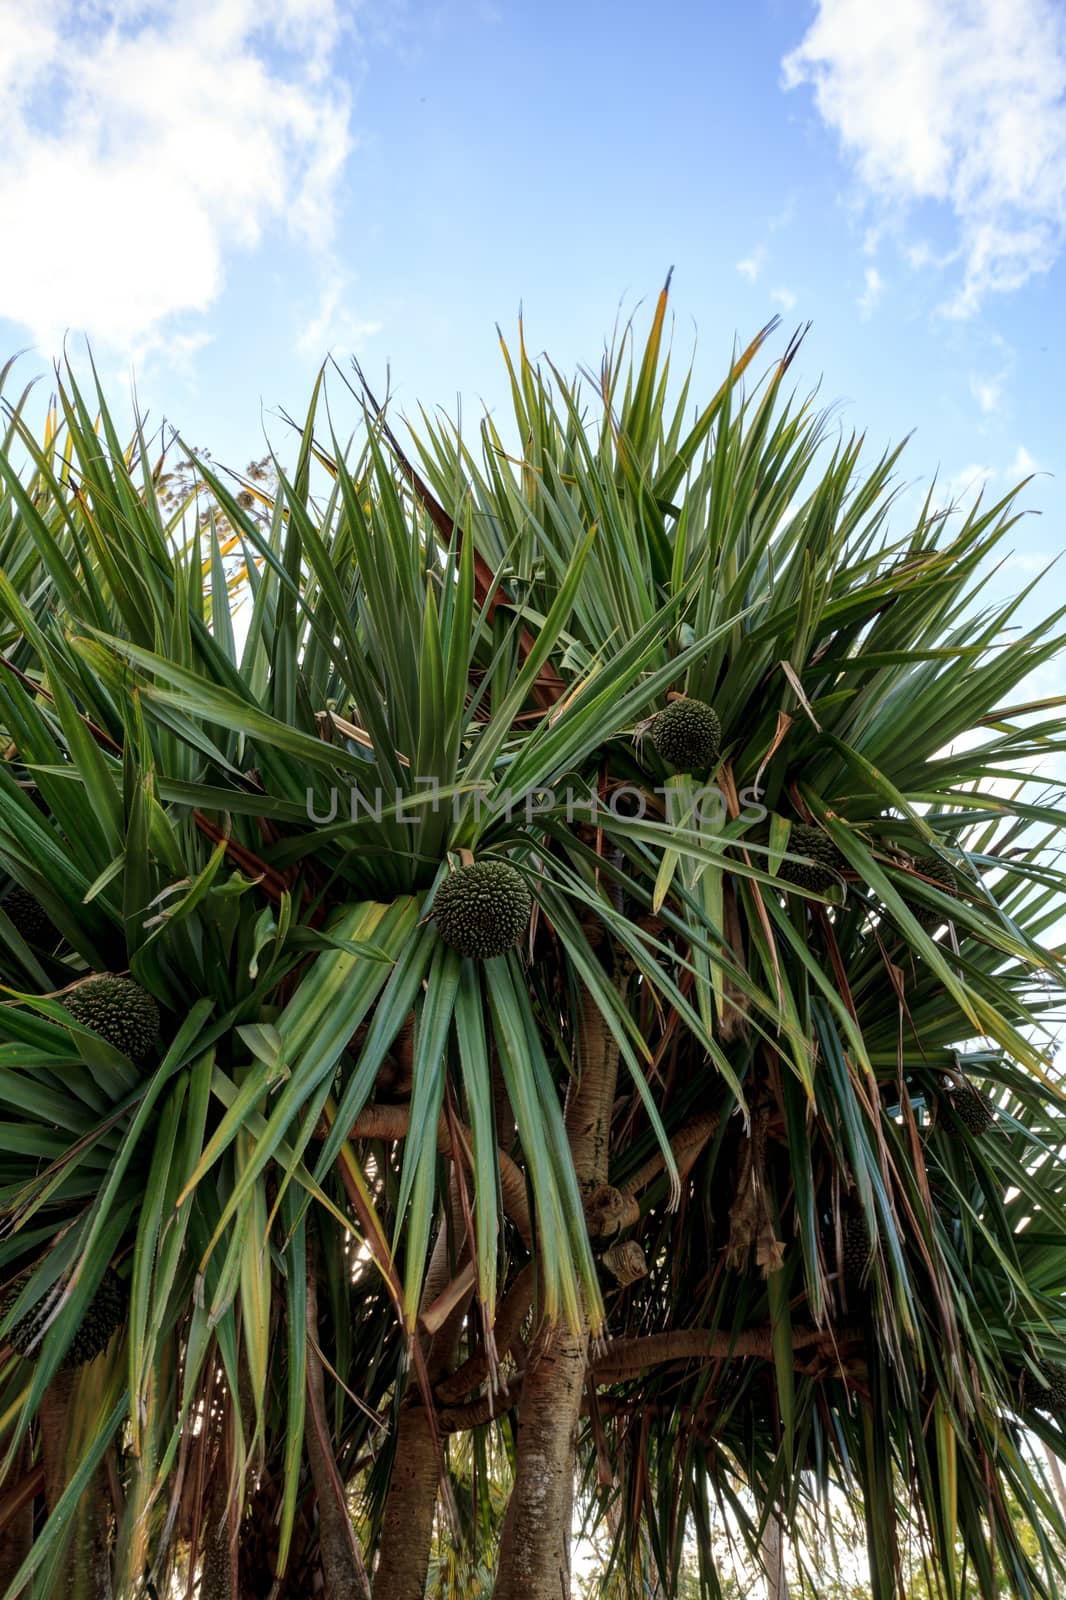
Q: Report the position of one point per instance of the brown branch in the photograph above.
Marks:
(510, 1316)
(458, 1419)
(630, 1357)
(685, 1145)
(536, 1531)
(609, 1211)
(275, 883)
(24, 1492)
(101, 737)
(393, 1122)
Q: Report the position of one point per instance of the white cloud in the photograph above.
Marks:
(333, 323)
(752, 265)
(964, 485)
(871, 239)
(998, 360)
(872, 292)
(1028, 561)
(145, 143)
(784, 298)
(987, 392)
(953, 101)
(967, 484)
(1022, 465)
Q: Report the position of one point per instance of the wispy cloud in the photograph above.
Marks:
(752, 265)
(963, 486)
(1022, 465)
(873, 289)
(783, 298)
(995, 361)
(145, 144)
(952, 101)
(1027, 561)
(333, 322)
(988, 392)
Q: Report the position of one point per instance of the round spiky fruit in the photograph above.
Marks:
(973, 1108)
(120, 1011)
(105, 1312)
(1053, 1398)
(687, 735)
(482, 910)
(855, 1249)
(28, 917)
(826, 860)
(939, 873)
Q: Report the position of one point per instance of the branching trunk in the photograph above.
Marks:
(535, 1548)
(407, 1533)
(628, 1358)
(510, 1315)
(393, 1122)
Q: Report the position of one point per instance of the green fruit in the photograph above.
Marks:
(120, 1011)
(1053, 1398)
(855, 1249)
(28, 917)
(482, 910)
(105, 1312)
(687, 735)
(1049, 1396)
(973, 1108)
(826, 860)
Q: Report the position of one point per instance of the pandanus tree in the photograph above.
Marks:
(555, 991)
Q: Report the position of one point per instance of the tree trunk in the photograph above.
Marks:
(535, 1548)
(216, 1582)
(16, 1536)
(216, 1565)
(95, 1519)
(85, 1573)
(773, 1559)
(342, 1565)
(407, 1531)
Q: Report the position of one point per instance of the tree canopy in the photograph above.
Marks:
(706, 1153)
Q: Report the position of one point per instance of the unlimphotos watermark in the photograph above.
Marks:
(706, 806)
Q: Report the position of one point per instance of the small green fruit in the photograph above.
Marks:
(826, 860)
(105, 1312)
(687, 735)
(29, 918)
(120, 1011)
(973, 1108)
(483, 910)
(1053, 1398)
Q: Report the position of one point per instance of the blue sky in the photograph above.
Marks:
(220, 193)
